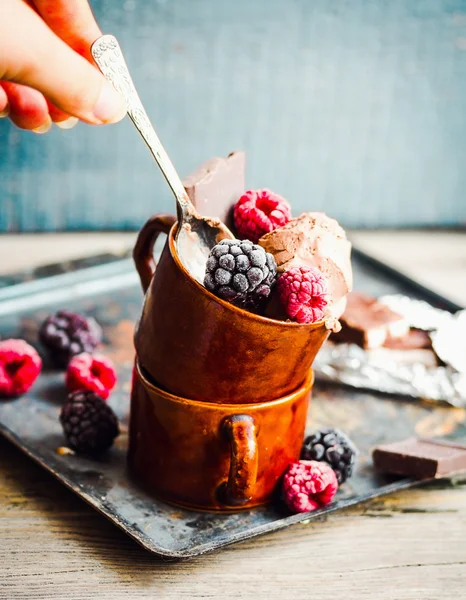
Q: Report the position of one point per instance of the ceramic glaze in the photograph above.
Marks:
(213, 456)
(203, 348)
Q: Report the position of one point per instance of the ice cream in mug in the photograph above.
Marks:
(315, 240)
(295, 269)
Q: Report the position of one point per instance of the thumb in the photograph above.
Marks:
(31, 54)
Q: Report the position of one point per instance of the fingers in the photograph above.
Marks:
(72, 21)
(56, 113)
(28, 108)
(4, 108)
(31, 54)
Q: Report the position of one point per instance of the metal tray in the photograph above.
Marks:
(111, 293)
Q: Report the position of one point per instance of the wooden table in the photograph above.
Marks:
(411, 545)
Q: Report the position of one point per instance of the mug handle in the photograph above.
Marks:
(143, 253)
(241, 433)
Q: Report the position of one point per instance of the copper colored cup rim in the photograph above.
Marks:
(307, 385)
(229, 305)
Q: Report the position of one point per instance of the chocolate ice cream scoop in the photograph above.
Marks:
(315, 240)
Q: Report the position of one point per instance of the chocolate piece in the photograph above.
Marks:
(216, 185)
(369, 323)
(420, 457)
(415, 339)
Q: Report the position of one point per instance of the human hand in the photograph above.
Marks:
(46, 69)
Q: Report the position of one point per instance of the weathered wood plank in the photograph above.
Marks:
(408, 546)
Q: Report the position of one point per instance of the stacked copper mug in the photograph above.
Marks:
(220, 395)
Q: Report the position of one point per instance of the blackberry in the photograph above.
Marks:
(333, 447)
(240, 272)
(89, 424)
(66, 334)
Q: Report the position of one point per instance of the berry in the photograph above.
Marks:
(66, 334)
(307, 485)
(89, 424)
(20, 366)
(302, 292)
(258, 212)
(240, 272)
(333, 447)
(94, 373)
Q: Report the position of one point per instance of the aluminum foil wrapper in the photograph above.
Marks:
(449, 342)
(383, 371)
(418, 313)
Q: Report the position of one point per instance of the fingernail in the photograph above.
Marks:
(110, 106)
(67, 123)
(5, 112)
(45, 127)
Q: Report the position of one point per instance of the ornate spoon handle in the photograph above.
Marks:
(109, 58)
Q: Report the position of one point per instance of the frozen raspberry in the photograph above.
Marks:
(95, 373)
(89, 424)
(20, 366)
(258, 212)
(308, 484)
(333, 447)
(302, 292)
(66, 334)
(240, 272)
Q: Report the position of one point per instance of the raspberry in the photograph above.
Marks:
(302, 292)
(66, 334)
(94, 373)
(308, 485)
(333, 447)
(258, 212)
(89, 424)
(20, 366)
(240, 272)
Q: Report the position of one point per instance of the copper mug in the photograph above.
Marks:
(200, 347)
(213, 456)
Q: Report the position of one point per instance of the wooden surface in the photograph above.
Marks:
(410, 546)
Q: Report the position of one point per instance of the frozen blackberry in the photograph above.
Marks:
(333, 447)
(66, 334)
(89, 424)
(240, 272)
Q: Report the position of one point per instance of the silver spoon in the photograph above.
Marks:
(195, 235)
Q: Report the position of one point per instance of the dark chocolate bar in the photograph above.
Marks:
(415, 339)
(421, 458)
(369, 323)
(216, 185)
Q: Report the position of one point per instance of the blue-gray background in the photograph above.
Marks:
(355, 107)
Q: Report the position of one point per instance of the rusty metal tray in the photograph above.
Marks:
(107, 288)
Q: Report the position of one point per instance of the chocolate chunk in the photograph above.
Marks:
(217, 185)
(369, 323)
(415, 339)
(421, 458)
